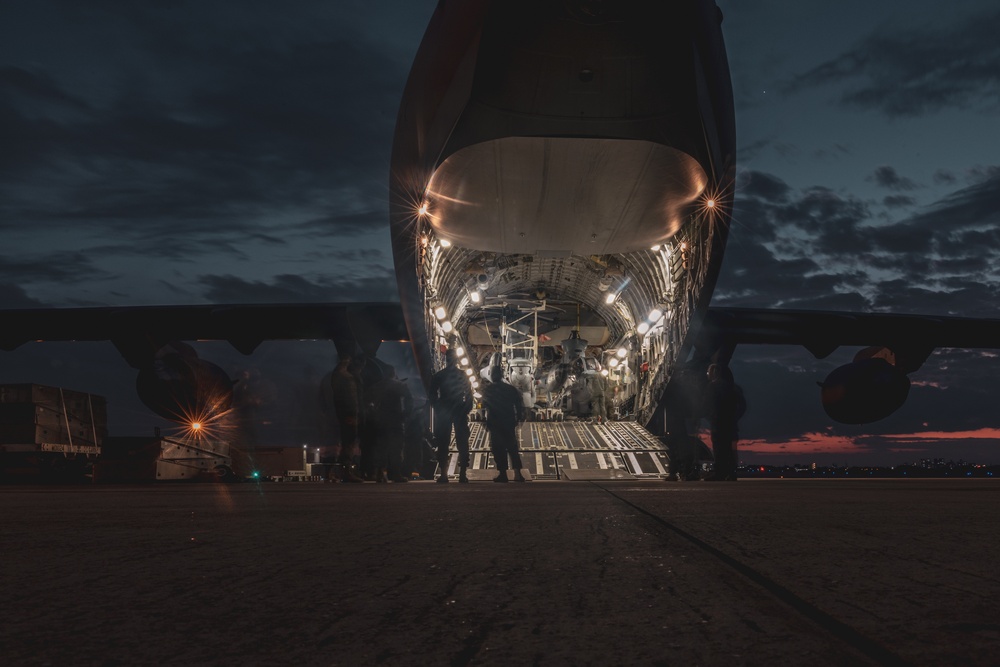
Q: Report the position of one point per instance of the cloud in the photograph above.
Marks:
(913, 73)
(66, 267)
(819, 248)
(14, 297)
(887, 177)
(380, 286)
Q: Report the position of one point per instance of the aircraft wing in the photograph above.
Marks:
(911, 337)
(134, 329)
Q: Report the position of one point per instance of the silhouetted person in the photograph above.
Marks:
(504, 411)
(370, 376)
(725, 405)
(347, 405)
(418, 453)
(598, 385)
(451, 397)
(393, 405)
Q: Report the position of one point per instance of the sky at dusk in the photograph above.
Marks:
(177, 152)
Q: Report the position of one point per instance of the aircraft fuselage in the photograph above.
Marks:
(573, 159)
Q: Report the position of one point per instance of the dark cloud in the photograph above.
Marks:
(945, 177)
(65, 267)
(762, 186)
(898, 201)
(887, 177)
(212, 135)
(18, 82)
(912, 73)
(821, 249)
(381, 286)
(14, 296)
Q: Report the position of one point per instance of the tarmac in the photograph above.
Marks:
(757, 572)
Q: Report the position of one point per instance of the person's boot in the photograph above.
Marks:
(519, 477)
(442, 478)
(502, 477)
(462, 477)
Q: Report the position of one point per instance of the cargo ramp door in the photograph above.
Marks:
(572, 450)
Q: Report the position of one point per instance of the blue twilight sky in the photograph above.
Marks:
(176, 152)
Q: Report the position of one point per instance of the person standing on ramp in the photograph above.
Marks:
(504, 411)
(451, 398)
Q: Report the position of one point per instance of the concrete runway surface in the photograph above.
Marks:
(763, 572)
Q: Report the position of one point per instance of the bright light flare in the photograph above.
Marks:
(424, 208)
(195, 426)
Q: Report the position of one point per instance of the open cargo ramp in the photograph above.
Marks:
(573, 450)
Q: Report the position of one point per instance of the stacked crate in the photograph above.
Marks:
(51, 419)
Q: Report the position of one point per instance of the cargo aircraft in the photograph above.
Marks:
(562, 184)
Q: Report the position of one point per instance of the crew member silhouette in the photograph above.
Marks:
(504, 411)
(451, 398)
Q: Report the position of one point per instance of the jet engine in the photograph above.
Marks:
(179, 386)
(863, 391)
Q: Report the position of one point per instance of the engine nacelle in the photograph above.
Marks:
(183, 388)
(864, 391)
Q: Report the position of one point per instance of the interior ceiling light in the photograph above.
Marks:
(642, 328)
(610, 298)
(468, 371)
(604, 372)
(422, 211)
(621, 352)
(465, 361)
(655, 315)
(475, 296)
(613, 362)
(445, 243)
(460, 351)
(655, 247)
(446, 325)
(440, 312)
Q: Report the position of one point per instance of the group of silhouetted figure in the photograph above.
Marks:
(384, 439)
